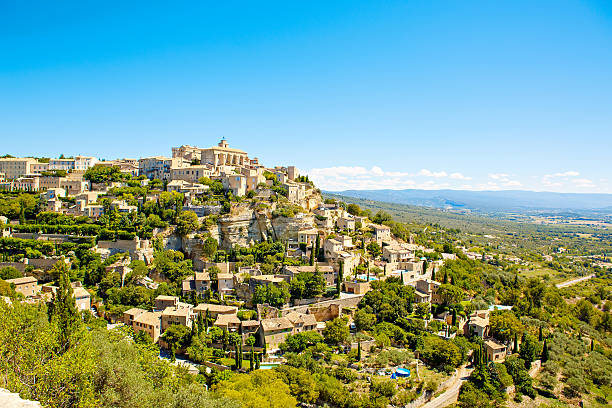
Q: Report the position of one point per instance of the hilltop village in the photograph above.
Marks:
(222, 202)
(225, 265)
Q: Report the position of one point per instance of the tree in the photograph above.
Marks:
(353, 209)
(364, 320)
(545, 356)
(307, 285)
(340, 278)
(336, 331)
(177, 336)
(381, 217)
(359, 351)
(187, 222)
(62, 311)
(299, 342)
(105, 174)
(318, 248)
(301, 382)
(9, 272)
(422, 310)
(312, 254)
(530, 349)
(505, 325)
(262, 388)
(450, 294)
(441, 353)
(209, 248)
(540, 335)
(374, 249)
(274, 295)
(516, 347)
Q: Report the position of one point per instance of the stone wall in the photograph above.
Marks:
(137, 248)
(20, 266)
(350, 302)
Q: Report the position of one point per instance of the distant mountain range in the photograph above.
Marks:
(487, 201)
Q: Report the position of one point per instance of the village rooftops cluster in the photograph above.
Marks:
(58, 179)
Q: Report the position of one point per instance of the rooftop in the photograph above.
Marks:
(150, 318)
(494, 344)
(215, 308)
(279, 323)
(23, 280)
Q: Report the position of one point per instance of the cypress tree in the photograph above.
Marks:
(200, 322)
(285, 253)
(544, 356)
(236, 356)
(454, 321)
(359, 351)
(540, 334)
(194, 330)
(425, 267)
(445, 277)
(340, 278)
(318, 247)
(240, 353)
(483, 356)
(257, 360)
(515, 343)
(312, 254)
(592, 344)
(62, 310)
(433, 273)
(206, 320)
(251, 359)
(453, 280)
(516, 281)
(22, 219)
(225, 339)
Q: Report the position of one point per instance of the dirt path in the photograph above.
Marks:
(450, 395)
(574, 281)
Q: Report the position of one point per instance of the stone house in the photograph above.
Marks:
(495, 350)
(229, 322)
(27, 285)
(131, 314)
(346, 223)
(381, 233)
(163, 301)
(215, 310)
(149, 322)
(302, 321)
(272, 332)
(183, 316)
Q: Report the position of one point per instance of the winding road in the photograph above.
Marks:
(450, 395)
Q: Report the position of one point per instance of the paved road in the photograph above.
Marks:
(450, 395)
(574, 281)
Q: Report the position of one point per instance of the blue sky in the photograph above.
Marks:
(413, 94)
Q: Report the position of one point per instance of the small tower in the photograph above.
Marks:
(223, 143)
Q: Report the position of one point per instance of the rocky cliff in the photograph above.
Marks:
(246, 225)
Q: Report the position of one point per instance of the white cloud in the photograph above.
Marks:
(339, 178)
(565, 174)
(361, 178)
(429, 173)
(583, 182)
(459, 176)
